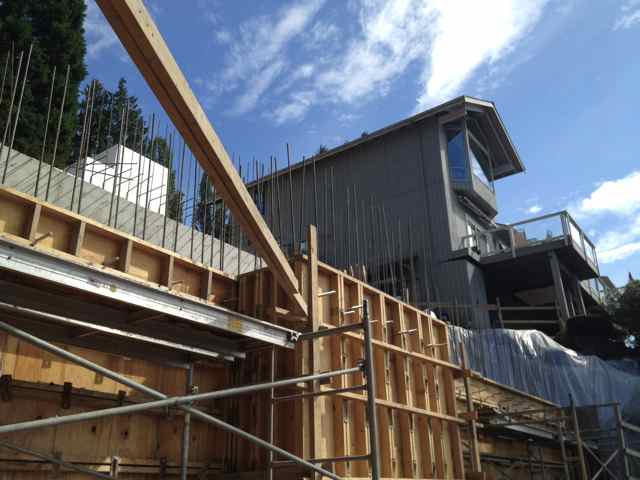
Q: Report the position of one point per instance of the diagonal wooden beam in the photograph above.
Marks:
(140, 36)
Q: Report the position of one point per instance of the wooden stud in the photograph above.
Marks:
(136, 29)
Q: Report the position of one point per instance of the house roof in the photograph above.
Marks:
(508, 160)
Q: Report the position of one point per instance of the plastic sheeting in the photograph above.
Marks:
(532, 362)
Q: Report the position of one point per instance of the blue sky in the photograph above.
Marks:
(564, 75)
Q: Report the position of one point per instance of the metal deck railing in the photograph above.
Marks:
(517, 237)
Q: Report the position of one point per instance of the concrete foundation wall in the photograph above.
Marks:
(103, 207)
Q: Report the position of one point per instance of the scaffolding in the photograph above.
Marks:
(593, 440)
(160, 400)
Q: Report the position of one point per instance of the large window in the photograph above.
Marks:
(476, 160)
(456, 153)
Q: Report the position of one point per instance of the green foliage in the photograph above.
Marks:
(115, 118)
(627, 310)
(56, 29)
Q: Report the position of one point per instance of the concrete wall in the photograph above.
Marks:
(102, 206)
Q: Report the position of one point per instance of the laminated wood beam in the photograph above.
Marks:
(140, 36)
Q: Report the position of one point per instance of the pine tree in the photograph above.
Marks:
(204, 212)
(55, 27)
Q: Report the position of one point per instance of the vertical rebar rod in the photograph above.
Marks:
(205, 206)
(193, 205)
(138, 181)
(122, 148)
(223, 220)
(403, 283)
(4, 76)
(186, 431)
(370, 374)
(315, 193)
(80, 150)
(302, 197)
(347, 230)
(181, 202)
(167, 205)
(212, 233)
(55, 143)
(87, 142)
(325, 214)
(333, 228)
(293, 221)
(148, 179)
(46, 130)
(358, 258)
(14, 90)
(412, 269)
(116, 167)
(17, 120)
(279, 210)
(239, 251)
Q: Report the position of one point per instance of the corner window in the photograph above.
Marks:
(456, 153)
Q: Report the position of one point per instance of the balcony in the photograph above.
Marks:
(554, 232)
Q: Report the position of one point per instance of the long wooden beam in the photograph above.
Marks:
(140, 36)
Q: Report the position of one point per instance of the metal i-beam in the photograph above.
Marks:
(141, 38)
(20, 259)
(18, 310)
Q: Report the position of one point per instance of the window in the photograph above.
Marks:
(456, 153)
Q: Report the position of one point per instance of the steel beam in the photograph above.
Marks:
(17, 310)
(89, 279)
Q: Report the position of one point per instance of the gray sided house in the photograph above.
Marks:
(413, 206)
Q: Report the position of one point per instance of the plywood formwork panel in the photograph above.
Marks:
(68, 235)
(144, 439)
(418, 421)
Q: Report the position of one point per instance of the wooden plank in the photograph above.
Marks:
(32, 229)
(136, 29)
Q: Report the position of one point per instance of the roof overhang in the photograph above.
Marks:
(506, 159)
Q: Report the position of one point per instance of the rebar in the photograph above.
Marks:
(87, 142)
(8, 124)
(46, 130)
(293, 221)
(148, 180)
(55, 143)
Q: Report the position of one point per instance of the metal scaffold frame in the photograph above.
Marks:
(588, 452)
(160, 400)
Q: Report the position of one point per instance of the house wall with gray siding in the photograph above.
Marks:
(406, 173)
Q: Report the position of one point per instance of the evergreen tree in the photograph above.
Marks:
(55, 27)
(204, 213)
(107, 112)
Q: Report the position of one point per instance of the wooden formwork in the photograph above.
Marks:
(36, 384)
(422, 411)
(419, 426)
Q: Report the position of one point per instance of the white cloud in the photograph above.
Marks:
(294, 109)
(614, 206)
(618, 253)
(534, 209)
(247, 101)
(619, 197)
(257, 57)
(629, 15)
(445, 41)
(448, 41)
(99, 34)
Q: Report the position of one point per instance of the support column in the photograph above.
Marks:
(561, 298)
